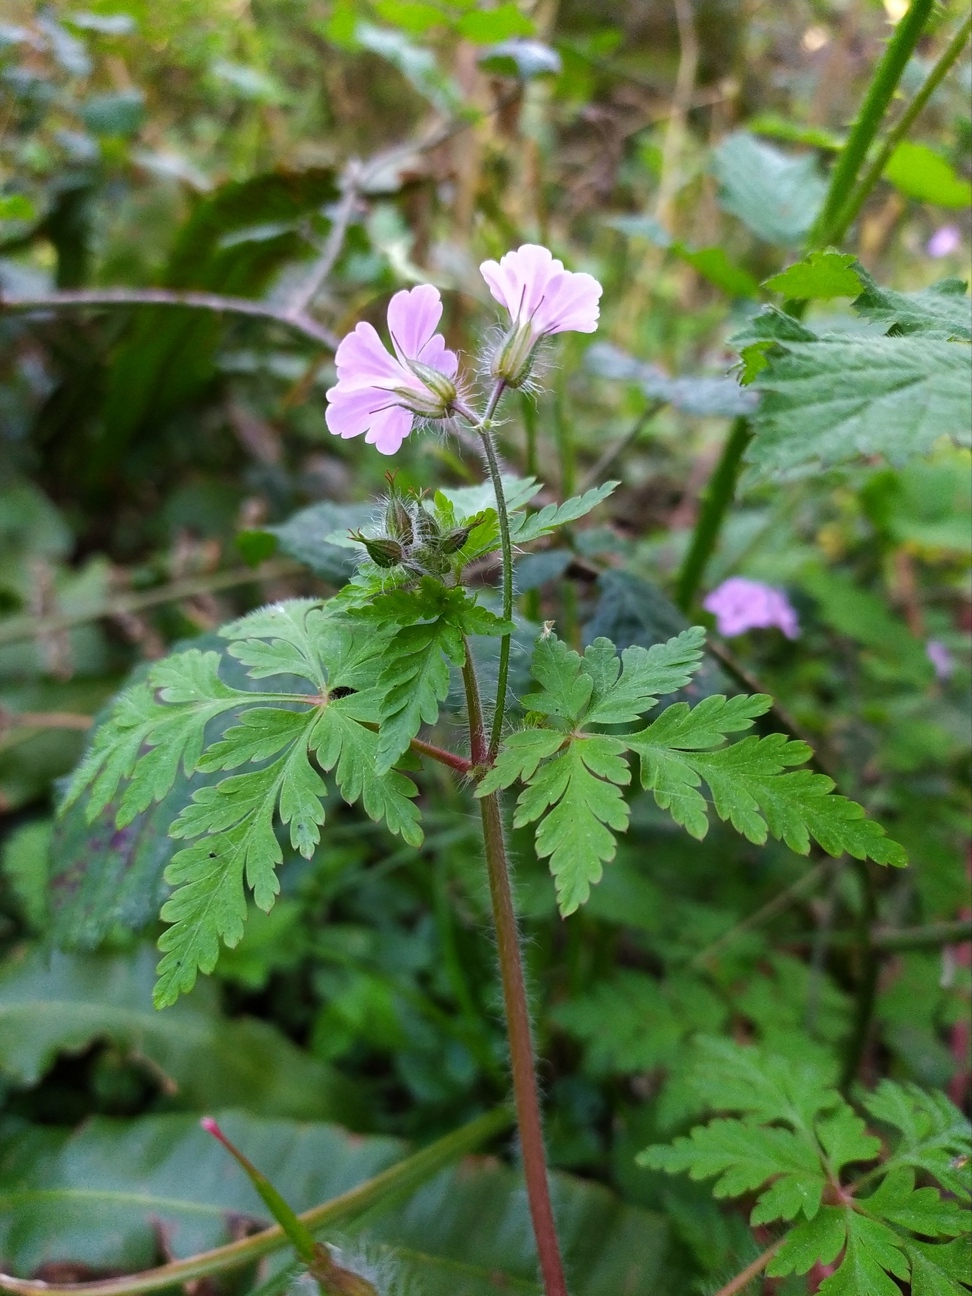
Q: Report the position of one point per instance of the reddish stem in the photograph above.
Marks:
(525, 1090)
(458, 763)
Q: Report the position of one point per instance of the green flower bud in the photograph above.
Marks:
(513, 361)
(382, 550)
(426, 526)
(398, 520)
(435, 399)
(455, 540)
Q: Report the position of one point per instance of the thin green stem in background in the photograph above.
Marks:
(528, 406)
(872, 175)
(716, 500)
(884, 82)
(392, 1183)
(865, 994)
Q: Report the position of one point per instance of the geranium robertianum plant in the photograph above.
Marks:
(352, 681)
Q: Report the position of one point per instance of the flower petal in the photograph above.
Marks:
(518, 281)
(389, 429)
(352, 410)
(413, 317)
(570, 305)
(362, 360)
(435, 355)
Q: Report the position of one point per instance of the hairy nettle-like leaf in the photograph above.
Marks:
(793, 1145)
(573, 771)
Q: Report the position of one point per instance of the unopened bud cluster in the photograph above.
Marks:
(413, 538)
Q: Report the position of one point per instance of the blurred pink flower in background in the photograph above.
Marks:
(739, 605)
(944, 241)
(537, 291)
(940, 658)
(380, 394)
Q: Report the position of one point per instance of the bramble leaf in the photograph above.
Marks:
(820, 275)
(581, 784)
(838, 397)
(944, 310)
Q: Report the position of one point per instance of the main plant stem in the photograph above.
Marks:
(526, 1093)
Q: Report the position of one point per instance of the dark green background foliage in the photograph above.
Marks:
(778, 1025)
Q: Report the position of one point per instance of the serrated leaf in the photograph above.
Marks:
(922, 1210)
(470, 500)
(750, 788)
(168, 712)
(282, 639)
(524, 528)
(944, 310)
(819, 276)
(828, 401)
(632, 1022)
(235, 823)
(941, 1270)
(413, 681)
(810, 1242)
(844, 1138)
(581, 786)
(645, 675)
(745, 1157)
(872, 1253)
(344, 745)
(566, 686)
(733, 1077)
(519, 757)
(935, 1136)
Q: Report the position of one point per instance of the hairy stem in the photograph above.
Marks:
(879, 93)
(949, 56)
(506, 546)
(458, 763)
(525, 1090)
(743, 1279)
(715, 504)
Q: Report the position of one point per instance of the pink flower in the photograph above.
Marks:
(739, 605)
(944, 241)
(542, 298)
(940, 658)
(381, 394)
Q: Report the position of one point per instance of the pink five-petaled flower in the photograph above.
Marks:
(542, 298)
(739, 605)
(381, 394)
